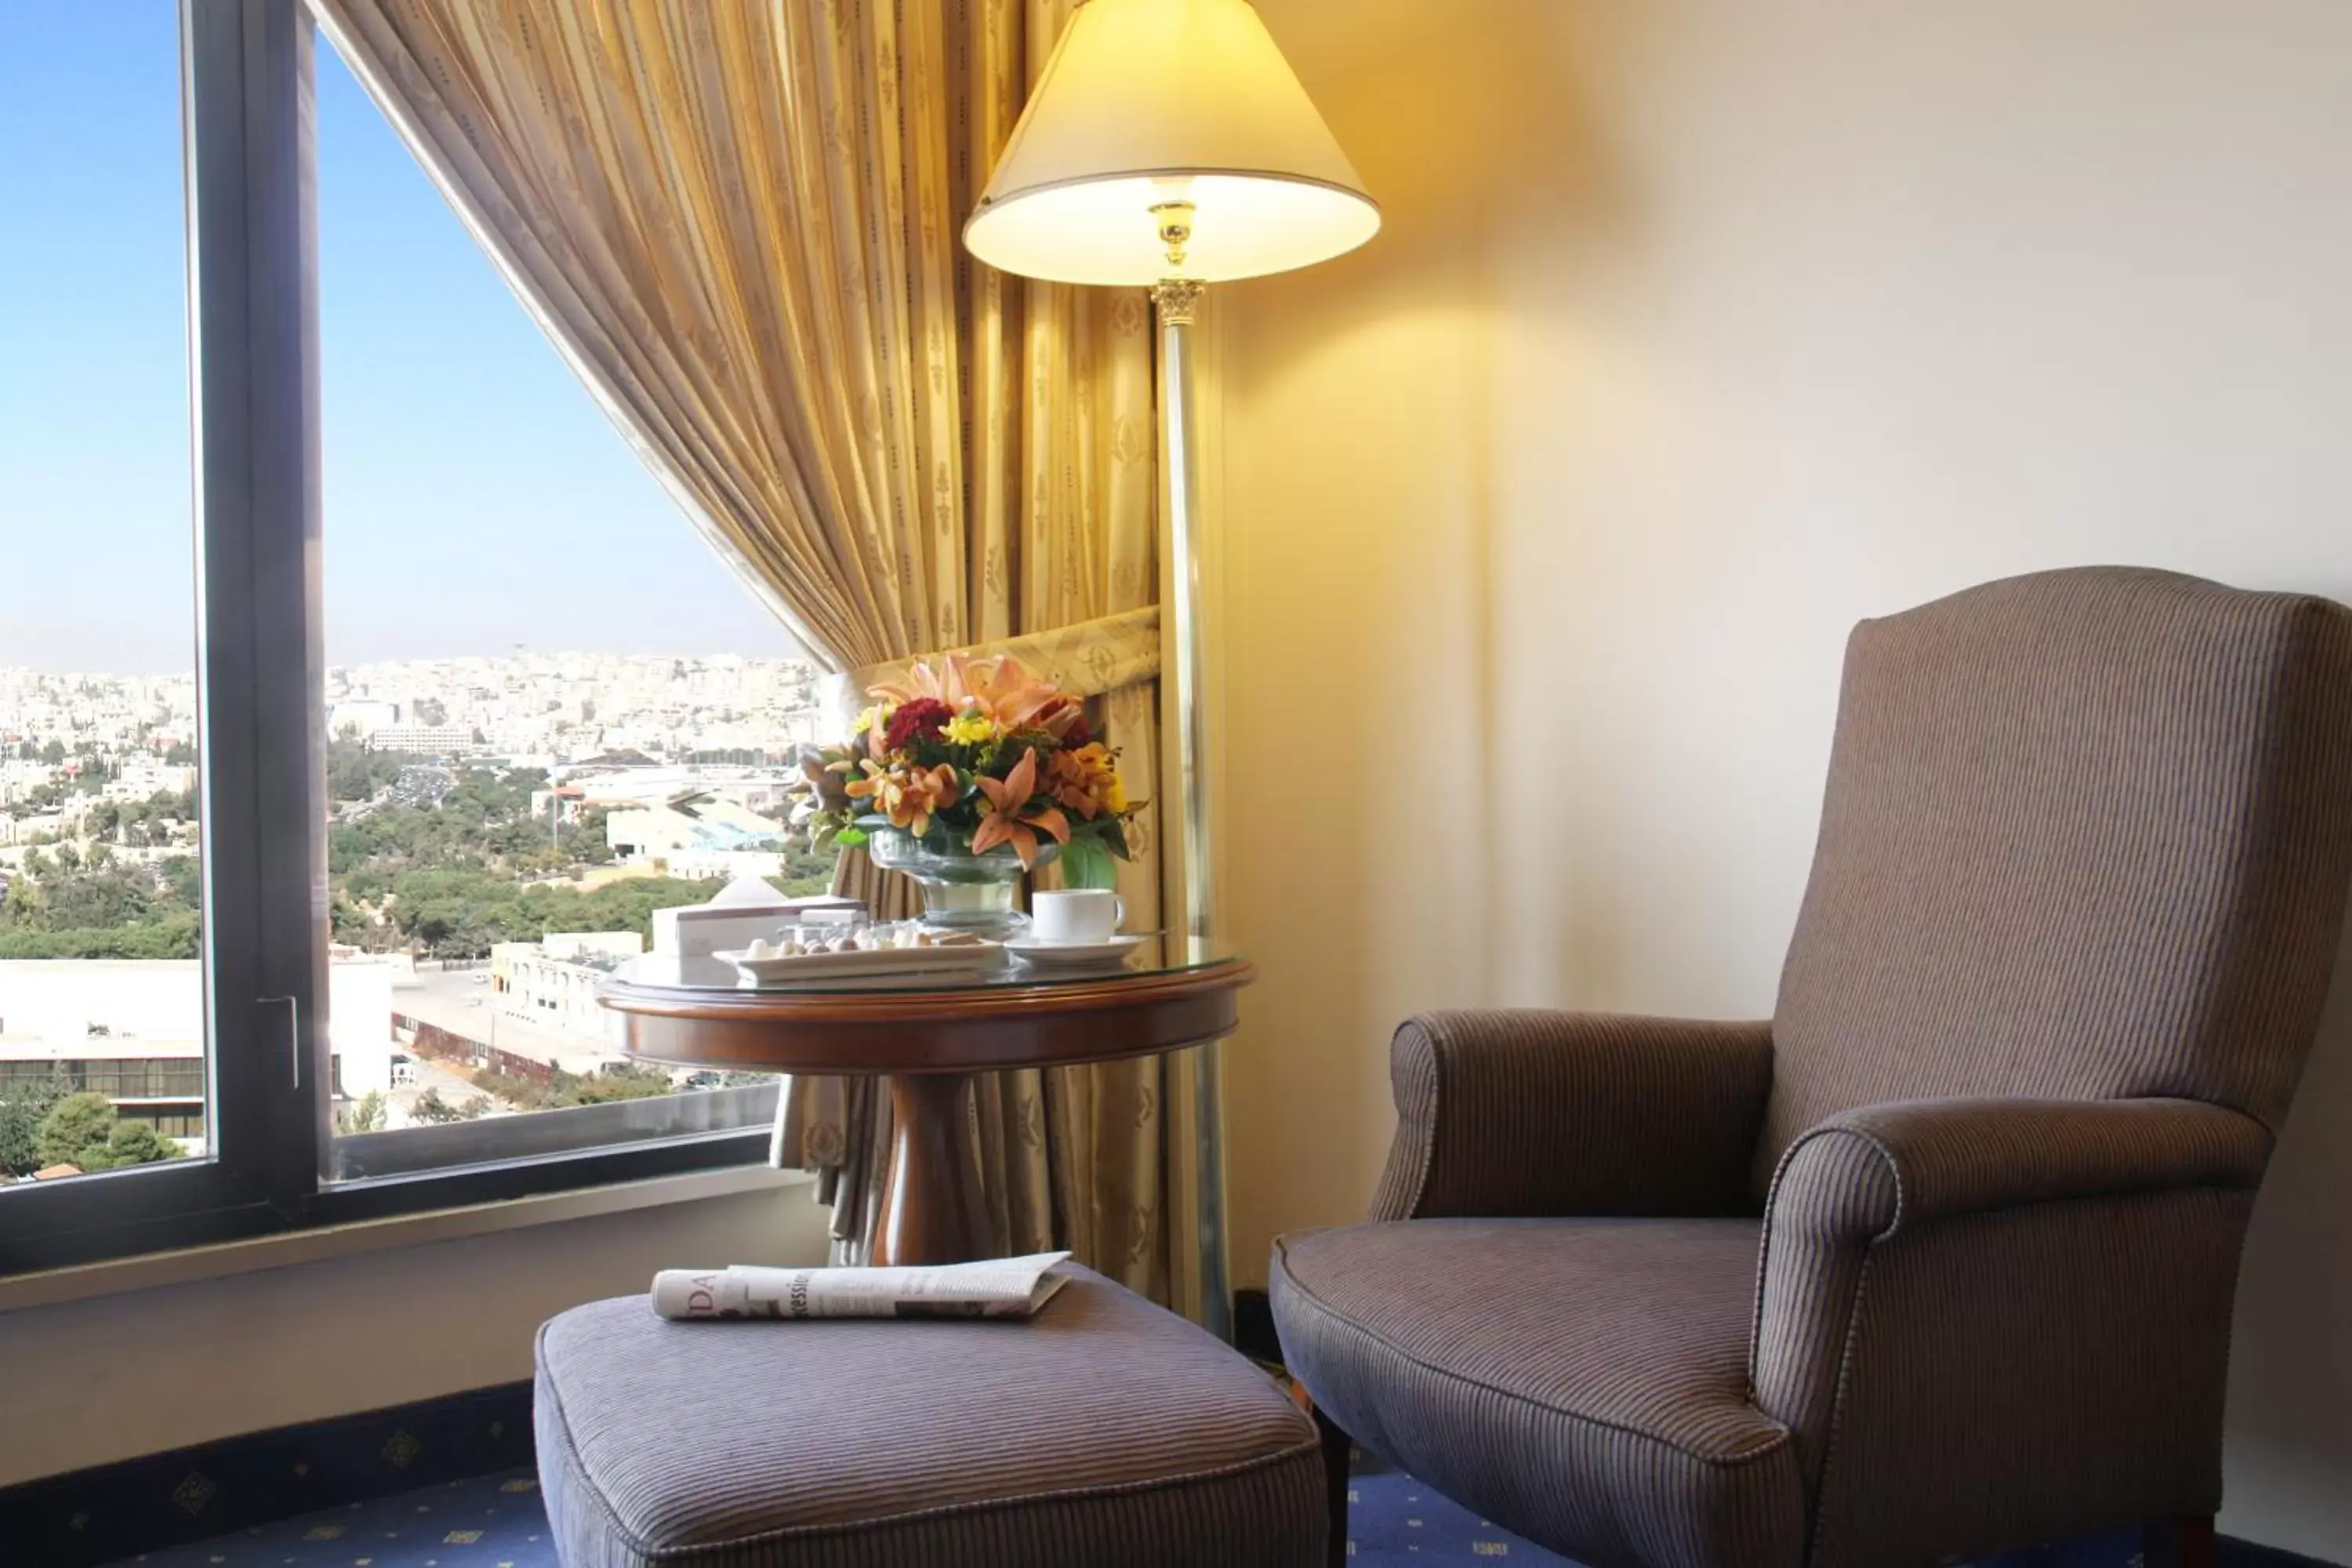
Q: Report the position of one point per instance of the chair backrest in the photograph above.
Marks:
(2087, 834)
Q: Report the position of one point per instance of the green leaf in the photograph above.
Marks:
(1086, 863)
(850, 837)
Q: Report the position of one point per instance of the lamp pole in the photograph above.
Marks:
(1176, 299)
(1166, 110)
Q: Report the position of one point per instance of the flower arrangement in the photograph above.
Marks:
(978, 758)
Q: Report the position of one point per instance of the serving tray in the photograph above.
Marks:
(792, 968)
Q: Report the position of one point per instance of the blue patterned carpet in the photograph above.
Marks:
(495, 1521)
(1394, 1519)
(489, 1522)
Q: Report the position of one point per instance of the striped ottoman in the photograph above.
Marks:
(1103, 1431)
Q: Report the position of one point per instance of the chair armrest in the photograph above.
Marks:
(1863, 1174)
(2056, 1272)
(1552, 1113)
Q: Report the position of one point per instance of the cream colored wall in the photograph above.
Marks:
(1699, 330)
(91, 1382)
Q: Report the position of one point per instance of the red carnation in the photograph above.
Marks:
(922, 718)
(1079, 734)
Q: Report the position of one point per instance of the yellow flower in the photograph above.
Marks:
(969, 730)
(871, 724)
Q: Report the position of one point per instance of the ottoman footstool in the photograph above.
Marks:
(1103, 1431)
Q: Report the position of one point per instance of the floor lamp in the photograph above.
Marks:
(1168, 145)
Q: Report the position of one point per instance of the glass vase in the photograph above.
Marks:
(962, 890)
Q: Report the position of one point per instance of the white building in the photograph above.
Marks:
(425, 740)
(551, 983)
(134, 1030)
(724, 864)
(140, 778)
(703, 822)
(754, 789)
(362, 717)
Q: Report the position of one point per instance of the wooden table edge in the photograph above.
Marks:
(925, 1005)
(970, 1029)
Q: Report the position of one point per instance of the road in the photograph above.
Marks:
(420, 785)
(452, 1000)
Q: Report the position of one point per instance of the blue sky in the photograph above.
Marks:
(474, 496)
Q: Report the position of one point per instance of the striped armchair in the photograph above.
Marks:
(1939, 1260)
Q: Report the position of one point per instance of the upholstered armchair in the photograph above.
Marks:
(1939, 1260)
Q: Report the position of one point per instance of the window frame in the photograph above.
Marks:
(249, 150)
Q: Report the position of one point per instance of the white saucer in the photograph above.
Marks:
(1039, 952)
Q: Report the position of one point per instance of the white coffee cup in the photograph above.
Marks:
(1076, 914)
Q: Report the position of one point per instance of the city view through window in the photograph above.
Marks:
(551, 711)
(503, 830)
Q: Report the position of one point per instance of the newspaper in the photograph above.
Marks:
(995, 1288)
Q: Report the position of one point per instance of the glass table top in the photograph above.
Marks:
(987, 966)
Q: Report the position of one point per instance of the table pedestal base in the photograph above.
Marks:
(931, 1206)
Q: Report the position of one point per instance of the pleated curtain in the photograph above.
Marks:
(739, 221)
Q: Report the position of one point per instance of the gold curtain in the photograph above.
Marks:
(738, 219)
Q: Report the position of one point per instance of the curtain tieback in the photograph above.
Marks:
(1085, 660)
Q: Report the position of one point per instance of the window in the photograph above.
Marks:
(101, 874)
(518, 709)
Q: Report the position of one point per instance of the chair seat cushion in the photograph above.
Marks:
(1103, 1430)
(1584, 1382)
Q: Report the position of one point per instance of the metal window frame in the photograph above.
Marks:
(249, 134)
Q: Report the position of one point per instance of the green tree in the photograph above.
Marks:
(353, 772)
(129, 1142)
(368, 1113)
(22, 904)
(431, 1110)
(183, 879)
(625, 1080)
(806, 872)
(75, 1124)
(103, 895)
(173, 936)
(584, 837)
(29, 1104)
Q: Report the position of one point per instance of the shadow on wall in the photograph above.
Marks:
(2288, 1452)
(1472, 138)
(1460, 129)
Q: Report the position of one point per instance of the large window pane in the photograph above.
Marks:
(103, 1058)
(550, 710)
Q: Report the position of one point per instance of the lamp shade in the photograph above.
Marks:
(1148, 102)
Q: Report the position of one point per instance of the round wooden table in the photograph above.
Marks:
(927, 1036)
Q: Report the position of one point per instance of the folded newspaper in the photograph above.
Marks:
(995, 1288)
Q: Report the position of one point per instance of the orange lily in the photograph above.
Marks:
(999, 687)
(909, 798)
(1085, 782)
(1014, 817)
